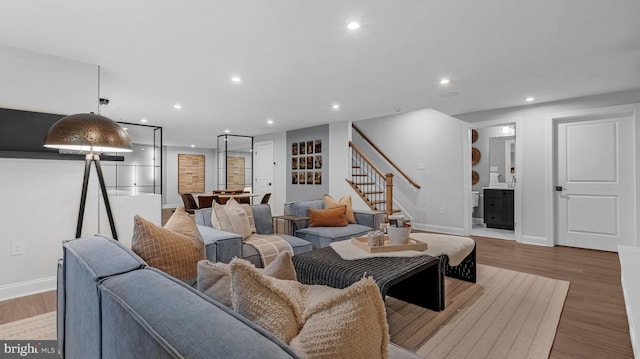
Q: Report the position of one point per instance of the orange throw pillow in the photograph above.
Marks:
(331, 217)
(329, 202)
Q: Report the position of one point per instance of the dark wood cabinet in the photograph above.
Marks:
(498, 208)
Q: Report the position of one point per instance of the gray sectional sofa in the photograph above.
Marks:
(223, 246)
(321, 237)
(111, 305)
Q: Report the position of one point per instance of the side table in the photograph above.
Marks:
(288, 223)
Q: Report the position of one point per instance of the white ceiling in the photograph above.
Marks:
(296, 57)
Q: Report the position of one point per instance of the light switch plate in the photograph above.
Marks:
(17, 248)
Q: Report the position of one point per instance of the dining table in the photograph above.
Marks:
(241, 197)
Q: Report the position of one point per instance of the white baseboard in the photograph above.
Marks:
(167, 206)
(539, 241)
(439, 229)
(29, 287)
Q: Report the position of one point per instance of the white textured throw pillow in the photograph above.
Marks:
(220, 218)
(317, 322)
(238, 218)
(214, 279)
(233, 217)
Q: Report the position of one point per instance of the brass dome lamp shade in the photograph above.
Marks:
(88, 132)
(93, 134)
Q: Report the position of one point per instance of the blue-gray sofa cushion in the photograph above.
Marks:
(223, 246)
(154, 310)
(323, 236)
(298, 245)
(86, 262)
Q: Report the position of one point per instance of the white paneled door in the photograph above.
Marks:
(263, 164)
(595, 176)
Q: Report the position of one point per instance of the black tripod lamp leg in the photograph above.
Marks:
(107, 206)
(83, 198)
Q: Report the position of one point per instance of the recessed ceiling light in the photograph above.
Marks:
(226, 131)
(270, 121)
(177, 106)
(192, 146)
(530, 99)
(236, 79)
(445, 81)
(335, 107)
(353, 25)
(144, 120)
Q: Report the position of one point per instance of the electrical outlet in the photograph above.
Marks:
(442, 210)
(17, 248)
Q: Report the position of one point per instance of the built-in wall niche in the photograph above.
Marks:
(235, 162)
(141, 170)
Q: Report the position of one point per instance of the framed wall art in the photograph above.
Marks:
(306, 160)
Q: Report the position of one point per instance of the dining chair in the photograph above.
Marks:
(265, 198)
(243, 199)
(189, 202)
(206, 201)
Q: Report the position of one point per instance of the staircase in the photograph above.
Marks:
(374, 187)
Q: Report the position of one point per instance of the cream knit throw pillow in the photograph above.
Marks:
(214, 279)
(315, 321)
(233, 217)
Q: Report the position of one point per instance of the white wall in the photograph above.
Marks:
(40, 198)
(170, 163)
(428, 146)
(533, 177)
(41, 201)
(340, 133)
(32, 81)
(40, 207)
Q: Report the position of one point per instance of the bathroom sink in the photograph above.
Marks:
(498, 185)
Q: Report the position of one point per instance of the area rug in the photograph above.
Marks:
(506, 314)
(42, 327)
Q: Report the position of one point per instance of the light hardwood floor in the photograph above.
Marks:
(593, 323)
(28, 306)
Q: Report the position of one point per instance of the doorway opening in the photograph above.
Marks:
(494, 180)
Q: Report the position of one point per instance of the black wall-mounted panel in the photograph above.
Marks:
(25, 131)
(22, 135)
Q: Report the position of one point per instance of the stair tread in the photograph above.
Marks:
(359, 174)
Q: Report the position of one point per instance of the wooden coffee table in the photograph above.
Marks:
(418, 280)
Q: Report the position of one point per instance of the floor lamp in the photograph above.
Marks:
(93, 134)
